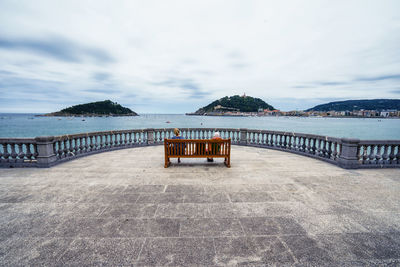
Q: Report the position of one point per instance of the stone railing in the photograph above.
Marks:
(343, 152)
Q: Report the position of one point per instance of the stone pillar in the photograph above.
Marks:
(150, 136)
(45, 149)
(243, 136)
(348, 155)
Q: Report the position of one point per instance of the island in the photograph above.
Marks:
(234, 106)
(94, 109)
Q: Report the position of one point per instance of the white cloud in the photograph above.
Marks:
(176, 56)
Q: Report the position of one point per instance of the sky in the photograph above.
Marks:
(177, 56)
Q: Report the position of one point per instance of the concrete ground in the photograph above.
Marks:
(123, 208)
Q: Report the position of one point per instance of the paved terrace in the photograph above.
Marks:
(271, 207)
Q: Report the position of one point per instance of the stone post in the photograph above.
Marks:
(150, 136)
(45, 149)
(243, 136)
(348, 155)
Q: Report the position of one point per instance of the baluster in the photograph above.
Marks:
(293, 142)
(322, 148)
(80, 145)
(392, 155)
(101, 141)
(385, 155)
(121, 139)
(314, 146)
(300, 140)
(76, 146)
(98, 141)
(320, 143)
(71, 147)
(59, 150)
(116, 137)
(285, 143)
(130, 138)
(378, 155)
(329, 151)
(398, 155)
(21, 154)
(371, 156)
(29, 152)
(304, 144)
(135, 138)
(279, 140)
(125, 139)
(317, 150)
(308, 146)
(91, 141)
(366, 154)
(13, 153)
(297, 142)
(65, 150)
(335, 150)
(106, 141)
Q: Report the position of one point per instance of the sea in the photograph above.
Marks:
(29, 125)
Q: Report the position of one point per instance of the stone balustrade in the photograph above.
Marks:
(343, 152)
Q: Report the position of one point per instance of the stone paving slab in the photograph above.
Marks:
(123, 208)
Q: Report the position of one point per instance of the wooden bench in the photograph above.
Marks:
(197, 148)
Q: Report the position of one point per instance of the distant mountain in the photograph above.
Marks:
(349, 105)
(234, 103)
(106, 107)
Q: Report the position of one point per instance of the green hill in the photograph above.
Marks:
(106, 107)
(350, 105)
(235, 103)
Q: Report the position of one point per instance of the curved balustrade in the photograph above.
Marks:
(16, 152)
(76, 145)
(378, 153)
(346, 153)
(322, 147)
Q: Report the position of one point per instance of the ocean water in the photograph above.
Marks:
(27, 125)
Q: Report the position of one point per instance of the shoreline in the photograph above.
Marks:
(317, 117)
(87, 115)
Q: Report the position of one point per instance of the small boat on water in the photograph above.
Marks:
(167, 122)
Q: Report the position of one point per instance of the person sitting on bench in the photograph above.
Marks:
(214, 147)
(177, 133)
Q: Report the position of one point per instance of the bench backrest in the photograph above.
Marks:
(197, 147)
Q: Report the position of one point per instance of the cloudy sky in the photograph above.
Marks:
(177, 56)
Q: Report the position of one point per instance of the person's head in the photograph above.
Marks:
(216, 134)
(177, 132)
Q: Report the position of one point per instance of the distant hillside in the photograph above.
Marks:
(349, 105)
(106, 107)
(235, 103)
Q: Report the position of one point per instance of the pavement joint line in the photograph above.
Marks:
(141, 248)
(288, 248)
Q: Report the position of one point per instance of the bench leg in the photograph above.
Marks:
(167, 162)
(228, 162)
